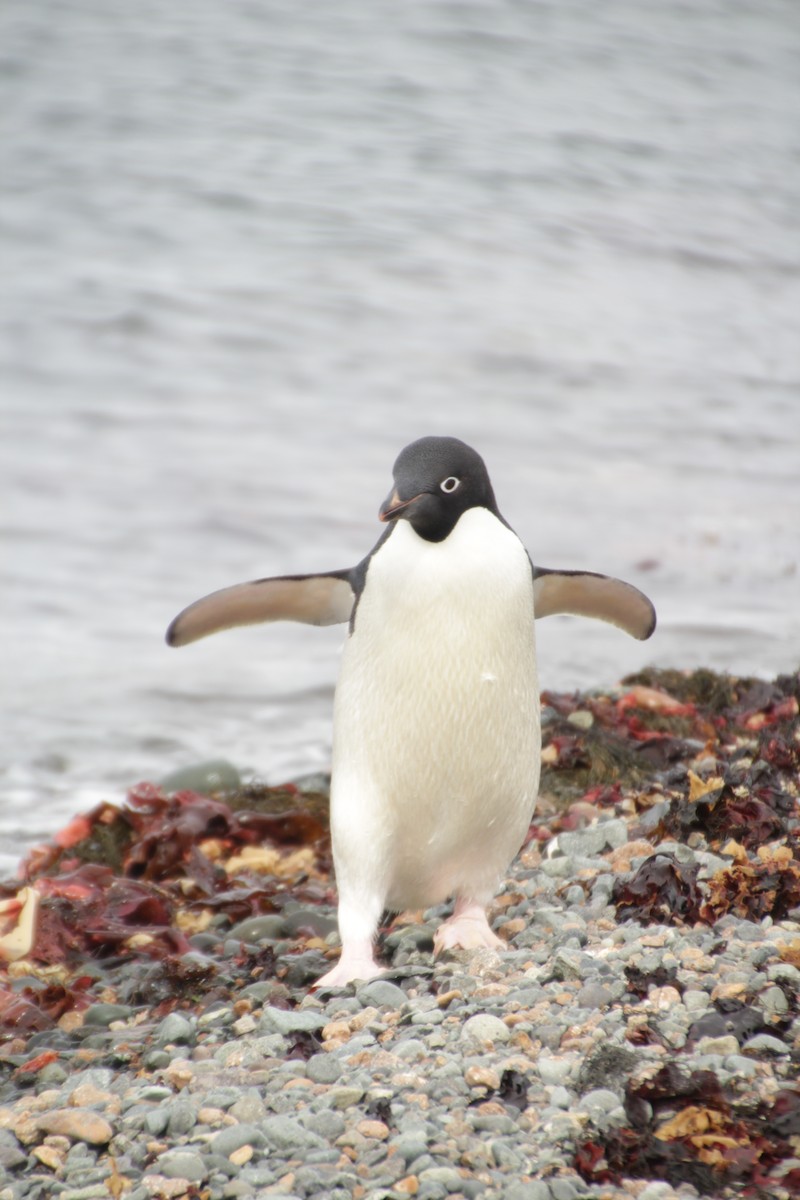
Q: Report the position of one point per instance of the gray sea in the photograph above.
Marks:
(250, 250)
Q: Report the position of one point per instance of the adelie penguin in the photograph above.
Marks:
(436, 741)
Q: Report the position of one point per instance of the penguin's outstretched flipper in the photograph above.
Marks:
(586, 594)
(312, 599)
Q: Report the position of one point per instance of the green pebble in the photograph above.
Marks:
(104, 1014)
(216, 775)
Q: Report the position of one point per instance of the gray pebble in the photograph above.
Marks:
(52, 1075)
(381, 993)
(268, 927)
(154, 1091)
(104, 1014)
(261, 1177)
(485, 1028)
(249, 1108)
(600, 1100)
(695, 1000)
(562, 867)
(556, 1069)
(342, 1097)
(411, 1049)
(175, 1028)
(156, 1060)
(594, 995)
(765, 1043)
(221, 1097)
(155, 1121)
(232, 1137)
(493, 1123)
(181, 1164)
(182, 1117)
(785, 973)
(323, 1068)
(284, 1133)
(657, 1190)
(564, 1189)
(287, 1022)
(218, 1018)
(303, 969)
(315, 919)
(446, 1177)
(91, 1191)
(216, 775)
(11, 1153)
(411, 1145)
(328, 1124)
(537, 1189)
(774, 1000)
(738, 1065)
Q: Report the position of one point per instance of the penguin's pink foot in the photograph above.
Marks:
(467, 929)
(354, 964)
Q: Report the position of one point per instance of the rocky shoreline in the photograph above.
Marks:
(639, 1037)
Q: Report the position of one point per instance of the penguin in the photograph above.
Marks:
(436, 730)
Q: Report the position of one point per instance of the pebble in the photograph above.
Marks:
(174, 1029)
(287, 1134)
(765, 1043)
(234, 1137)
(381, 993)
(104, 1014)
(78, 1124)
(323, 1068)
(216, 775)
(268, 927)
(182, 1164)
(287, 1022)
(485, 1028)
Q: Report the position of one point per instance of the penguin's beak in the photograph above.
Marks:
(393, 506)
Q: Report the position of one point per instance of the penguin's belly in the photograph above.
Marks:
(436, 728)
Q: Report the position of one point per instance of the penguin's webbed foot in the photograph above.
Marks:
(467, 929)
(349, 968)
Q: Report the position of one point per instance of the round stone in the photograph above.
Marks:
(182, 1164)
(323, 1068)
(483, 1028)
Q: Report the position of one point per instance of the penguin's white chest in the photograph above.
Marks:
(436, 725)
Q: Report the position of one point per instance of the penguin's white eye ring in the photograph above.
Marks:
(450, 484)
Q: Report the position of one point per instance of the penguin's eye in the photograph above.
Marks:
(450, 484)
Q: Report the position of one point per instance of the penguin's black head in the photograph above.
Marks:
(436, 480)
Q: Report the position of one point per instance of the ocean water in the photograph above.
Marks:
(251, 250)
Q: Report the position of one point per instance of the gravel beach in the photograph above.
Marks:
(639, 1037)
